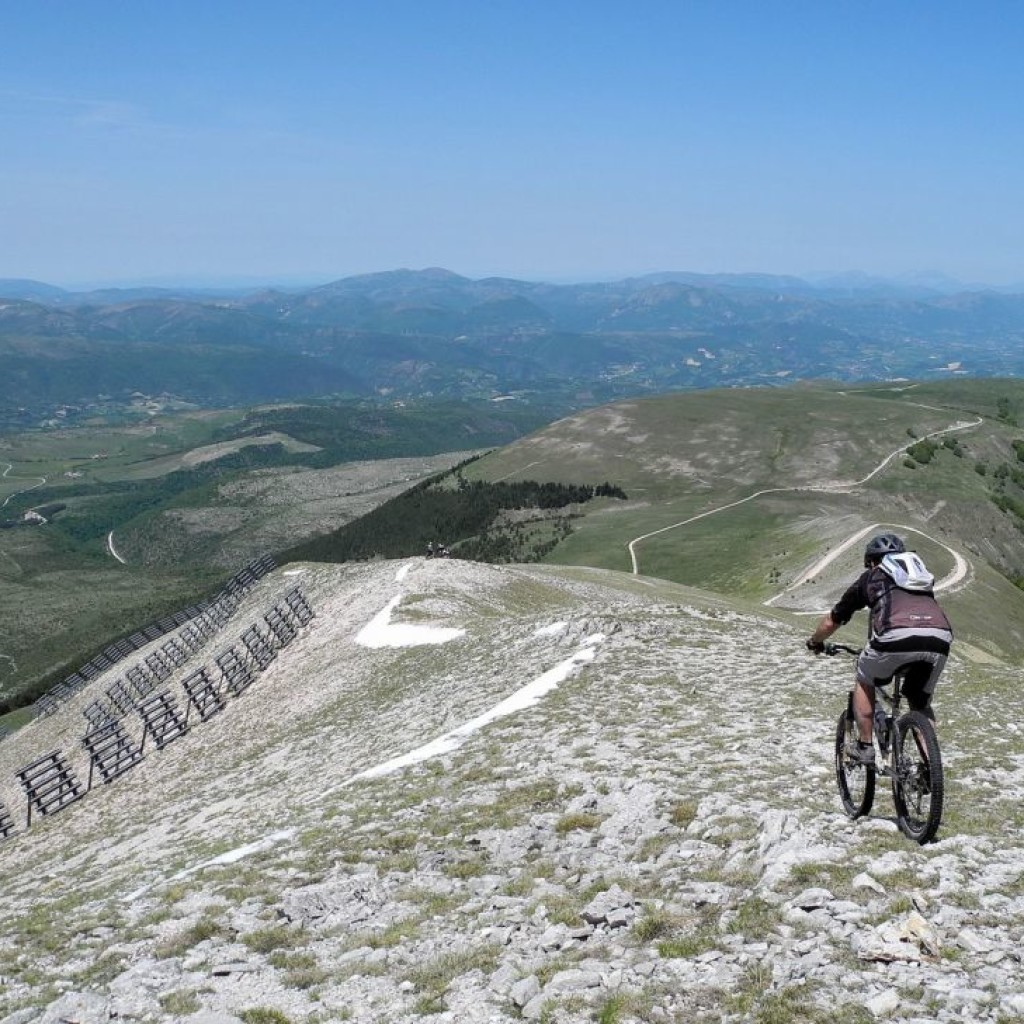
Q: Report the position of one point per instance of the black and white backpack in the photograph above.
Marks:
(907, 571)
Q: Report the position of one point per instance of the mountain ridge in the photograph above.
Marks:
(405, 334)
(360, 834)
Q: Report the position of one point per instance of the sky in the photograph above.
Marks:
(264, 142)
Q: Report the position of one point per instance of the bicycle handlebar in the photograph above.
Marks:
(833, 649)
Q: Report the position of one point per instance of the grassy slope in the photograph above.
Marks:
(683, 455)
(77, 596)
(677, 456)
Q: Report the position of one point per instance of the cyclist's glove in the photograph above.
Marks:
(815, 645)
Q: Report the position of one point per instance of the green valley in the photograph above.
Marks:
(734, 491)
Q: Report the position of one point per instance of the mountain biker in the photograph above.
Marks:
(906, 626)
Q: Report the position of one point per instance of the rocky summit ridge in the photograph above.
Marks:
(471, 793)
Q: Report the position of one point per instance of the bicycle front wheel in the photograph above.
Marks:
(917, 782)
(856, 781)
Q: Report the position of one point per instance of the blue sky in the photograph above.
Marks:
(204, 142)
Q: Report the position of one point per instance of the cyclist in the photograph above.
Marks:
(906, 626)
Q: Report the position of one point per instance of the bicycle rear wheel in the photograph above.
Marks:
(917, 781)
(856, 781)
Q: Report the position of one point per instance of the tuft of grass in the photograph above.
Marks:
(102, 970)
(611, 1011)
(750, 990)
(579, 820)
(563, 909)
(834, 877)
(204, 929)
(541, 795)
(431, 904)
(180, 1003)
(464, 869)
(395, 933)
(683, 813)
(754, 918)
(264, 1015)
(397, 842)
(685, 947)
(430, 1004)
(267, 940)
(654, 923)
(654, 846)
(400, 863)
(433, 978)
(305, 977)
(284, 960)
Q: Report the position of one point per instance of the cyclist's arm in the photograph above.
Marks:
(852, 601)
(825, 628)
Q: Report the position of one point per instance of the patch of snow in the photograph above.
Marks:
(524, 697)
(230, 857)
(381, 632)
(553, 630)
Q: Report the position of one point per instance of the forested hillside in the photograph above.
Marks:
(414, 334)
(470, 519)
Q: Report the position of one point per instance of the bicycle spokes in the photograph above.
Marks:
(856, 781)
(917, 782)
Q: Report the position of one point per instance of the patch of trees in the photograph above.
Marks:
(461, 516)
(1005, 503)
(1005, 476)
(517, 542)
(923, 451)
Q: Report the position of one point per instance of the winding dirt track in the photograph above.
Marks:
(961, 567)
(112, 549)
(42, 482)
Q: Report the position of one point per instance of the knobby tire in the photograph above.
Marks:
(856, 782)
(917, 780)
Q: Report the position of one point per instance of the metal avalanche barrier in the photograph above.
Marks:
(197, 623)
(155, 700)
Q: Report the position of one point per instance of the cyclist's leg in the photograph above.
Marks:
(864, 708)
(872, 666)
(922, 677)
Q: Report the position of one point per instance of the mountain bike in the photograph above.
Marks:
(909, 756)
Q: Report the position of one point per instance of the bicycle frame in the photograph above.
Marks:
(890, 707)
(917, 781)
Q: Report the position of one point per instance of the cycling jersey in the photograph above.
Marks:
(900, 620)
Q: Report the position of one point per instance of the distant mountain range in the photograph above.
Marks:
(410, 334)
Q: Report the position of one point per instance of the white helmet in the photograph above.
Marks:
(907, 570)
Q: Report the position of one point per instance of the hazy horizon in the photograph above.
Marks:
(565, 143)
(228, 282)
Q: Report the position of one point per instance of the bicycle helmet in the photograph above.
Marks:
(882, 545)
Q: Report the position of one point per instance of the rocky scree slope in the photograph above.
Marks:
(642, 840)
